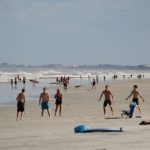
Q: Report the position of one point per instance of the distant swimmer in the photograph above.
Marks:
(20, 103)
(44, 102)
(24, 81)
(135, 93)
(11, 82)
(97, 80)
(58, 96)
(93, 84)
(108, 99)
(15, 82)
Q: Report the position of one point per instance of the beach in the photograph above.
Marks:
(80, 106)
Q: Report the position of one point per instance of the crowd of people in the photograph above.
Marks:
(44, 97)
(17, 80)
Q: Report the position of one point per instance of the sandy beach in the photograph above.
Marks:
(80, 106)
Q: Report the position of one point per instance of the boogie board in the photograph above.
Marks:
(77, 86)
(86, 129)
(34, 81)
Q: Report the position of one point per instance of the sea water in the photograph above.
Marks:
(47, 76)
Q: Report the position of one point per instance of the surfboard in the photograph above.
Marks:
(34, 81)
(77, 86)
(86, 129)
(103, 130)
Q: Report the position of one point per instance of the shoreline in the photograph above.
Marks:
(53, 87)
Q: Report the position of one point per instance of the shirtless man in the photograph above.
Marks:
(108, 99)
(43, 101)
(135, 93)
(20, 103)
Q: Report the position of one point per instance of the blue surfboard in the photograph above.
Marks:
(86, 129)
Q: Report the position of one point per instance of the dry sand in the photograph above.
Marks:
(80, 106)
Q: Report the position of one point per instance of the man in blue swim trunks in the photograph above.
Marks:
(43, 101)
(135, 93)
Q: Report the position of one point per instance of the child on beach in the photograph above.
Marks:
(58, 96)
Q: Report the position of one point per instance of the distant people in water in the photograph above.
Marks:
(15, 82)
(88, 77)
(80, 77)
(97, 80)
(104, 78)
(135, 94)
(65, 84)
(57, 80)
(20, 104)
(11, 83)
(24, 80)
(140, 76)
(44, 102)
(124, 77)
(108, 99)
(58, 96)
(93, 84)
(115, 77)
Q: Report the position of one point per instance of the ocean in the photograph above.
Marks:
(47, 76)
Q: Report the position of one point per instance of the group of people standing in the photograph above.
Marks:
(43, 102)
(63, 80)
(45, 98)
(16, 80)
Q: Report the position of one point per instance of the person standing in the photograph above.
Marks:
(11, 82)
(44, 102)
(58, 96)
(20, 104)
(97, 80)
(135, 93)
(108, 99)
(93, 84)
(24, 81)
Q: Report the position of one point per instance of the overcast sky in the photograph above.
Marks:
(73, 32)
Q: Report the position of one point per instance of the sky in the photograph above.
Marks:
(75, 32)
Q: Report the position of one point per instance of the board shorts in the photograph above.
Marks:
(58, 101)
(107, 101)
(20, 106)
(135, 100)
(45, 105)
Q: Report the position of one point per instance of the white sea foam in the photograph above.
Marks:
(45, 76)
(5, 76)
